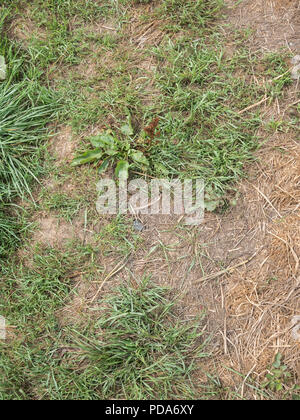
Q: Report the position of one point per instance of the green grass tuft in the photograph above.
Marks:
(26, 110)
(143, 351)
(30, 297)
(203, 133)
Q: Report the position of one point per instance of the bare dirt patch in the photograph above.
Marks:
(54, 232)
(75, 311)
(275, 23)
(63, 145)
(262, 298)
(104, 28)
(142, 34)
(23, 29)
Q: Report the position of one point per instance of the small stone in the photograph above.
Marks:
(138, 226)
(296, 328)
(296, 59)
(295, 73)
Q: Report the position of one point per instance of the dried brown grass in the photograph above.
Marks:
(263, 298)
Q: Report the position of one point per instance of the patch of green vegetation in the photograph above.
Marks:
(63, 10)
(278, 375)
(49, 11)
(109, 93)
(26, 109)
(143, 351)
(276, 68)
(113, 150)
(67, 207)
(248, 388)
(206, 130)
(190, 14)
(30, 298)
(154, 354)
(10, 229)
(118, 237)
(61, 34)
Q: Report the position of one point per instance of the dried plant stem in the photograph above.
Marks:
(226, 270)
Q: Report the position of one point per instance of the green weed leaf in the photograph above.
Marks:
(104, 140)
(127, 130)
(161, 169)
(111, 152)
(211, 205)
(87, 157)
(122, 170)
(139, 157)
(104, 165)
(277, 361)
